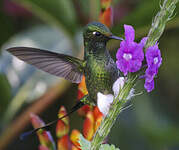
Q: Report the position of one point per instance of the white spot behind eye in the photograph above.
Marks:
(94, 33)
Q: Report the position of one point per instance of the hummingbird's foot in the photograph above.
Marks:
(86, 100)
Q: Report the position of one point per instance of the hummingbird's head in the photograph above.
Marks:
(98, 32)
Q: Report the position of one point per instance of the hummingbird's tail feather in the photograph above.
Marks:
(47, 126)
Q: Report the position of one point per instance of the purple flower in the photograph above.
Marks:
(150, 74)
(130, 54)
(154, 60)
(153, 56)
(149, 86)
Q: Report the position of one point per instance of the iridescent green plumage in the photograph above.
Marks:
(100, 70)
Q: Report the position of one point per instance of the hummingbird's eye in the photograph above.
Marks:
(96, 33)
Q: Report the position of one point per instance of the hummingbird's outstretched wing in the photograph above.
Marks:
(61, 65)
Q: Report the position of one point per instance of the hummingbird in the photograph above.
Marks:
(98, 67)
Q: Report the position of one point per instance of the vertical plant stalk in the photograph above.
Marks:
(160, 20)
(157, 28)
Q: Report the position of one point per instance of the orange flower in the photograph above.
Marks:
(62, 130)
(106, 13)
(98, 118)
(75, 138)
(91, 123)
(62, 127)
(88, 126)
(106, 17)
(61, 113)
(64, 143)
(82, 87)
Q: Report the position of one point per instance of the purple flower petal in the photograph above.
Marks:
(149, 86)
(143, 41)
(153, 56)
(138, 52)
(129, 33)
(150, 74)
(122, 66)
(134, 65)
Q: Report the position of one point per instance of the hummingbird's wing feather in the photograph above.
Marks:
(61, 65)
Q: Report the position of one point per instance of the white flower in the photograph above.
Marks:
(118, 84)
(104, 101)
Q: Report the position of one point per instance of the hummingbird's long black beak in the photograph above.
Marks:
(115, 37)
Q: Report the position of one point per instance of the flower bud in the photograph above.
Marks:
(88, 126)
(62, 127)
(64, 143)
(75, 137)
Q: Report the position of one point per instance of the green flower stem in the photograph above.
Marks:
(160, 20)
(157, 28)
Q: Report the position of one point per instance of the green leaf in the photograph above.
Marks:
(85, 144)
(108, 147)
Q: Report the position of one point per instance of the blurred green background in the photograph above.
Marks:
(152, 123)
